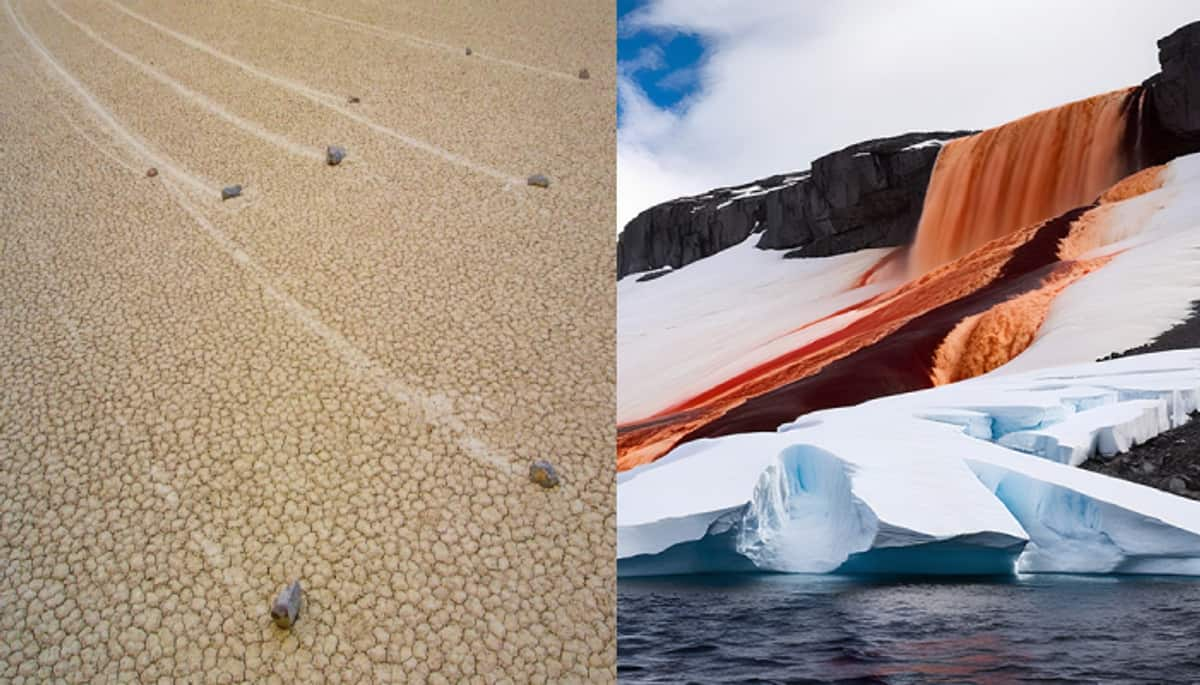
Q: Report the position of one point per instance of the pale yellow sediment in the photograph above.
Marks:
(309, 151)
(341, 380)
(424, 42)
(513, 121)
(322, 98)
(196, 183)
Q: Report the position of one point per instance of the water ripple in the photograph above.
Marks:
(793, 629)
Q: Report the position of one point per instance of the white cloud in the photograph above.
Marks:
(680, 79)
(649, 58)
(785, 82)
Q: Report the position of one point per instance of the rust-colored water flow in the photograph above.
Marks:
(995, 182)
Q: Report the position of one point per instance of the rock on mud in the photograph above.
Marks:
(539, 180)
(543, 473)
(229, 192)
(286, 608)
(468, 52)
(334, 155)
(584, 74)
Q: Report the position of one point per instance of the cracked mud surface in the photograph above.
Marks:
(341, 376)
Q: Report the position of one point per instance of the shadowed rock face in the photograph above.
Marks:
(867, 195)
(1176, 89)
(681, 231)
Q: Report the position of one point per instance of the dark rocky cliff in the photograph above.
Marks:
(866, 195)
(1175, 90)
(681, 231)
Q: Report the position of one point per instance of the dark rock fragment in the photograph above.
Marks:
(543, 473)
(151, 172)
(286, 608)
(651, 275)
(584, 74)
(539, 180)
(334, 155)
(229, 192)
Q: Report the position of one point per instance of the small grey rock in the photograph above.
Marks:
(230, 192)
(334, 155)
(286, 608)
(353, 99)
(1177, 485)
(1148, 468)
(584, 74)
(538, 180)
(468, 52)
(543, 473)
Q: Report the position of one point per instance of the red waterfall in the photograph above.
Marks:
(995, 182)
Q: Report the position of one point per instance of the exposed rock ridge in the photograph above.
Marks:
(1175, 91)
(866, 195)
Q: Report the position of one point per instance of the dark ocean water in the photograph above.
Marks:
(780, 628)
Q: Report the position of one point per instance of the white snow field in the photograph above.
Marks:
(975, 477)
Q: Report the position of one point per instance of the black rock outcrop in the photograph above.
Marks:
(1175, 90)
(681, 231)
(867, 195)
(1183, 335)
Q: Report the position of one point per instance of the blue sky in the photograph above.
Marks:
(662, 63)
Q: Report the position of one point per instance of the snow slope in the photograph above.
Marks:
(971, 477)
(680, 334)
(1151, 282)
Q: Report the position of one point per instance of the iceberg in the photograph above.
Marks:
(975, 477)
